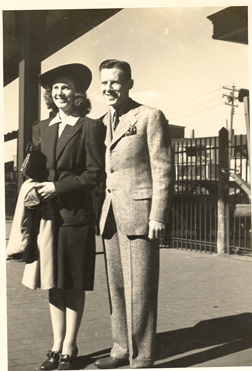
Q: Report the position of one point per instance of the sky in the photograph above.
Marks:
(176, 65)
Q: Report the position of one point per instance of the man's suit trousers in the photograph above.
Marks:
(133, 272)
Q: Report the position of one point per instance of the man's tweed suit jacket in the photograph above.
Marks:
(139, 167)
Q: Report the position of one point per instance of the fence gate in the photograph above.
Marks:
(194, 212)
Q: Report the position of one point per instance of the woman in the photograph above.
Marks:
(73, 146)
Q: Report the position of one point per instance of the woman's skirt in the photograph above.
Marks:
(66, 261)
(75, 259)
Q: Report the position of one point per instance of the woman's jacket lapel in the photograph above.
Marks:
(51, 136)
(67, 134)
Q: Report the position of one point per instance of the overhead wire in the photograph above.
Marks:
(213, 114)
(195, 106)
(210, 106)
(195, 112)
(195, 99)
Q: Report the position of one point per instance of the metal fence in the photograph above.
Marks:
(194, 215)
(239, 200)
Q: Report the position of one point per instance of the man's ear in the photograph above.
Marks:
(130, 83)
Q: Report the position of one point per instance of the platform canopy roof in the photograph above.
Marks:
(29, 37)
(231, 24)
(47, 32)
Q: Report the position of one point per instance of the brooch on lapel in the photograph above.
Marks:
(131, 130)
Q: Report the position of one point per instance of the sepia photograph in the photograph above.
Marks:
(126, 185)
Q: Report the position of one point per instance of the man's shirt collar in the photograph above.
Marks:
(120, 111)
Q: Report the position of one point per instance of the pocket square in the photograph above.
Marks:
(131, 130)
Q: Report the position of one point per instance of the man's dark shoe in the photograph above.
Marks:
(111, 362)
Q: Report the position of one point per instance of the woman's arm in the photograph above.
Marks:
(93, 174)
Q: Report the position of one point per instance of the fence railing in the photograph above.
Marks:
(204, 214)
(211, 211)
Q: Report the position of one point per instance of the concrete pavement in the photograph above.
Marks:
(204, 315)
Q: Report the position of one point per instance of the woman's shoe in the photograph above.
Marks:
(52, 361)
(66, 361)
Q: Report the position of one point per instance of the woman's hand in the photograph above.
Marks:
(46, 190)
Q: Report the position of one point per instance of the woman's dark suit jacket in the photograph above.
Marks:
(74, 163)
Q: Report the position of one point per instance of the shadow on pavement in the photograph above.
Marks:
(84, 361)
(225, 335)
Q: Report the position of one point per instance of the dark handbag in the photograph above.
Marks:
(34, 165)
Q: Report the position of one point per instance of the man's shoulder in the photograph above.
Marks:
(145, 107)
(151, 112)
(149, 108)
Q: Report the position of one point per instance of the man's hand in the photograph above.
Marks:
(156, 230)
(46, 190)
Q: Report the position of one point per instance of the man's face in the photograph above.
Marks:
(115, 87)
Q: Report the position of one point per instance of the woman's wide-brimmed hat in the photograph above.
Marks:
(80, 74)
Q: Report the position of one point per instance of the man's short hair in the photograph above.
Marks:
(124, 66)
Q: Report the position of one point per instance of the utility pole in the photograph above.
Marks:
(230, 102)
(226, 224)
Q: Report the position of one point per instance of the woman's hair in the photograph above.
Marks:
(81, 103)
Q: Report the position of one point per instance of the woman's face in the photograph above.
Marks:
(63, 91)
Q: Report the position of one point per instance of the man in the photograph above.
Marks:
(139, 191)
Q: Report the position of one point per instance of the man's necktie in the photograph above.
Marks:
(115, 120)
